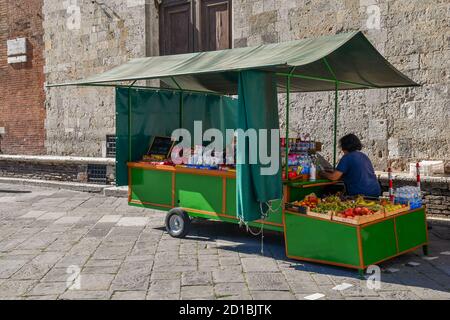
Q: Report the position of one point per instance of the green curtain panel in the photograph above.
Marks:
(153, 113)
(257, 109)
(157, 113)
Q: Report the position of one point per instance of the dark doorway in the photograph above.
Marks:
(215, 24)
(194, 25)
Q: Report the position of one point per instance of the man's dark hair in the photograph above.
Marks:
(350, 143)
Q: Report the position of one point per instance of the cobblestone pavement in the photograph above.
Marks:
(47, 236)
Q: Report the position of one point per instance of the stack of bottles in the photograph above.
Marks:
(300, 162)
(409, 195)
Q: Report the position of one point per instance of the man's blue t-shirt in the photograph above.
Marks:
(359, 175)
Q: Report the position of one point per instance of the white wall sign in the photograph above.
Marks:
(17, 50)
(18, 59)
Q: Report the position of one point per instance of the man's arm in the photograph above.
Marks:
(333, 176)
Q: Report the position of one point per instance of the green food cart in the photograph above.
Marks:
(195, 83)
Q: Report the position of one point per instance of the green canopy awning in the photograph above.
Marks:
(315, 65)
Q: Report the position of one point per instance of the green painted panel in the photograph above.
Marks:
(378, 241)
(411, 230)
(231, 197)
(199, 192)
(151, 186)
(321, 240)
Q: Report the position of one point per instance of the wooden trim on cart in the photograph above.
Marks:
(324, 262)
(210, 213)
(151, 204)
(348, 265)
(356, 225)
(396, 235)
(200, 172)
(360, 247)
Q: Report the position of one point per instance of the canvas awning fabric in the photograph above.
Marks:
(347, 57)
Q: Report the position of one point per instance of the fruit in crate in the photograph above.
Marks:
(355, 212)
(390, 207)
(311, 201)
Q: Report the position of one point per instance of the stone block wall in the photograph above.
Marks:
(396, 125)
(48, 168)
(82, 38)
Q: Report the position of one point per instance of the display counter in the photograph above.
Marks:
(202, 193)
(337, 243)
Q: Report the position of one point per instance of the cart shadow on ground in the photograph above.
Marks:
(430, 274)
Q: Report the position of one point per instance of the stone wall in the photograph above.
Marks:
(82, 38)
(48, 168)
(22, 111)
(396, 125)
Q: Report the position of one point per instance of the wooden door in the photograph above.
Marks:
(176, 27)
(215, 24)
(194, 25)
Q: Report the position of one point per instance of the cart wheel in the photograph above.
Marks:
(177, 223)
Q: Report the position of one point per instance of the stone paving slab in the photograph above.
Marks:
(50, 237)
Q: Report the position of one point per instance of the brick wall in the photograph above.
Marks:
(22, 109)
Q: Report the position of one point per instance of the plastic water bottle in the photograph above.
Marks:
(312, 172)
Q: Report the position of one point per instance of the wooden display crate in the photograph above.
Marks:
(358, 220)
(326, 216)
(392, 213)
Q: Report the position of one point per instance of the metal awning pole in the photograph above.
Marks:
(129, 121)
(336, 112)
(286, 140)
(181, 102)
(288, 102)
